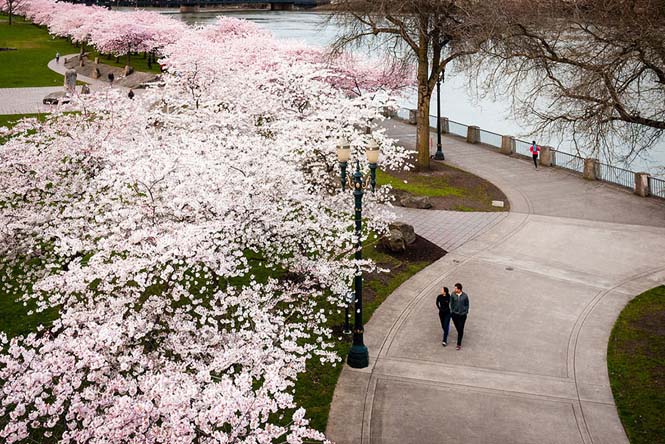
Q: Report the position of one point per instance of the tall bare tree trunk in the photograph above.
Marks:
(10, 14)
(424, 96)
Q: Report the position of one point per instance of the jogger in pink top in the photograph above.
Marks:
(535, 149)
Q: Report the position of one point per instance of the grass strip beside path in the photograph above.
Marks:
(315, 387)
(636, 365)
(447, 187)
(431, 186)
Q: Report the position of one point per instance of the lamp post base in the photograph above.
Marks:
(358, 357)
(439, 155)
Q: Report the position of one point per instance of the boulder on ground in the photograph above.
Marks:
(394, 241)
(407, 231)
(399, 237)
(421, 202)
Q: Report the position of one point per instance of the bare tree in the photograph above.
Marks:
(591, 72)
(430, 33)
(10, 6)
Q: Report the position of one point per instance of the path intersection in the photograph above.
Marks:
(546, 283)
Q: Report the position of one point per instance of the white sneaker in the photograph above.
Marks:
(444, 343)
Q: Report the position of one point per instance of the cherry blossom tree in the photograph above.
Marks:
(190, 239)
(11, 7)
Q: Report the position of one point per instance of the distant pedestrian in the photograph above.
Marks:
(459, 307)
(57, 57)
(111, 77)
(535, 150)
(443, 304)
(130, 94)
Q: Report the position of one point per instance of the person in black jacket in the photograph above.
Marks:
(443, 304)
(459, 306)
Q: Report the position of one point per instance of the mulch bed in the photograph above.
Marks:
(421, 250)
(478, 196)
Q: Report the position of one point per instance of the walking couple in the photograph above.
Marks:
(455, 307)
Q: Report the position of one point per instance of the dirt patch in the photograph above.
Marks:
(472, 193)
(651, 322)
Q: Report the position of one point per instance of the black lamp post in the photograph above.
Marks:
(358, 355)
(439, 150)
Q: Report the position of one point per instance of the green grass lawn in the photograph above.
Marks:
(27, 66)
(432, 186)
(636, 364)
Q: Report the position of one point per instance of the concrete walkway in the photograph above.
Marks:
(25, 100)
(546, 283)
(448, 229)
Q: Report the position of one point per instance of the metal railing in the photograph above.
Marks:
(568, 161)
(616, 175)
(456, 128)
(607, 173)
(657, 187)
(490, 138)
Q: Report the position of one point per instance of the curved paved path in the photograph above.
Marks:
(546, 283)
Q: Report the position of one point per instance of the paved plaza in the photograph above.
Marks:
(546, 283)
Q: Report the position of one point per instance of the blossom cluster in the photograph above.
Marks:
(112, 32)
(193, 239)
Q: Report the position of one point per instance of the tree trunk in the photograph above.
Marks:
(424, 96)
(10, 14)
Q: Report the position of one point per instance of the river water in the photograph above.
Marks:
(457, 102)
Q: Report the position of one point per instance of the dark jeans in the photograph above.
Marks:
(535, 160)
(444, 317)
(459, 321)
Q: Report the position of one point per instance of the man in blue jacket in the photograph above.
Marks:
(459, 307)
